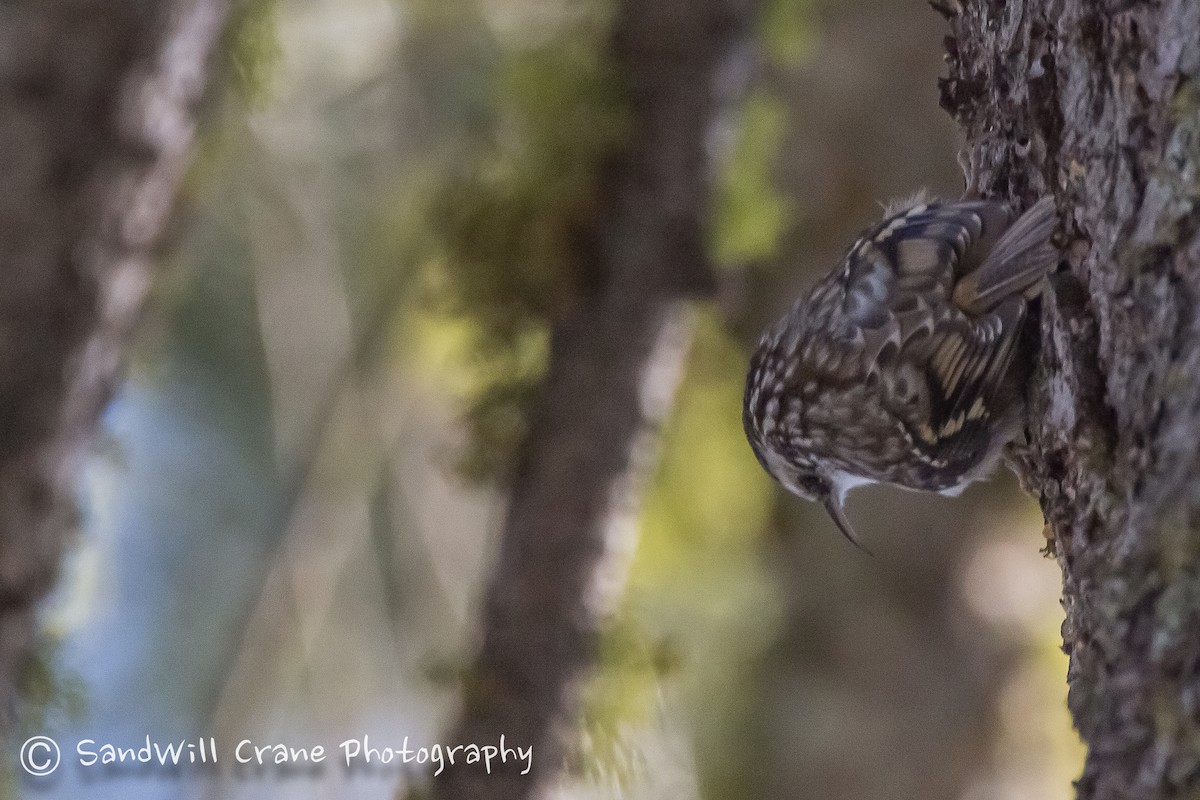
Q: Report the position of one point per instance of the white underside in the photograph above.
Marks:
(843, 482)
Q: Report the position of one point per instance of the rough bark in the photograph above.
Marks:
(1099, 104)
(96, 115)
(611, 374)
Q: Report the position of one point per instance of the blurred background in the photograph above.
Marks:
(290, 516)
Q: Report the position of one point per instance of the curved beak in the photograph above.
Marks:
(833, 504)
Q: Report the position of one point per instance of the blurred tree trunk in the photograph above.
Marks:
(1099, 104)
(614, 363)
(95, 123)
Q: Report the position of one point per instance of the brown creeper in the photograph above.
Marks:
(902, 365)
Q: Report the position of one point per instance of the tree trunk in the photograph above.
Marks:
(1099, 105)
(613, 366)
(95, 123)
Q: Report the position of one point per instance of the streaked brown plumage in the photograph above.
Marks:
(902, 365)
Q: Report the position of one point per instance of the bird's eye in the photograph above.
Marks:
(810, 486)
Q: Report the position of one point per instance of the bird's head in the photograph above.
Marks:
(799, 472)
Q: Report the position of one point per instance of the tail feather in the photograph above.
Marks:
(1021, 257)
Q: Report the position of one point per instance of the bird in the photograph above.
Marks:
(906, 364)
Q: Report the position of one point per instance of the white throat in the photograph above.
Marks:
(842, 482)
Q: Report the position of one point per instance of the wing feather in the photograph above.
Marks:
(939, 292)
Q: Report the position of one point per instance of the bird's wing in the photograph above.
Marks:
(971, 253)
(900, 276)
(967, 363)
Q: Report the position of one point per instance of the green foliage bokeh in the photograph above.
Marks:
(504, 216)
